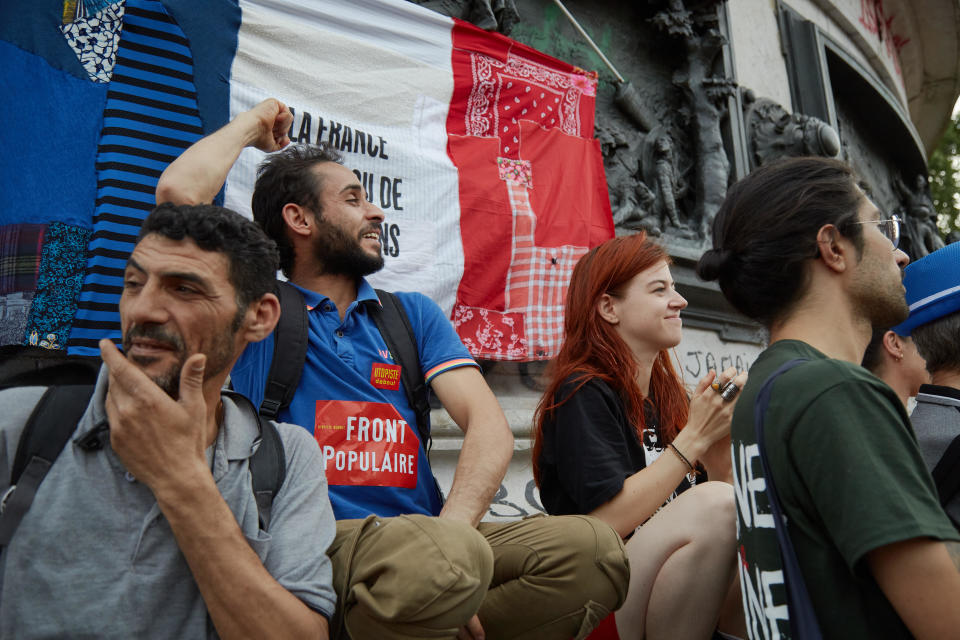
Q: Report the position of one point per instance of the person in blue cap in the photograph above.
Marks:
(933, 294)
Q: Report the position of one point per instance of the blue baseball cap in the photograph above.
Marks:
(933, 288)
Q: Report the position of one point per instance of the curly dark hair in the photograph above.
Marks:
(251, 254)
(287, 177)
(767, 227)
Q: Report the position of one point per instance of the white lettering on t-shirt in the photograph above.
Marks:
(761, 611)
(746, 486)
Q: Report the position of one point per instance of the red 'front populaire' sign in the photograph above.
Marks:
(366, 444)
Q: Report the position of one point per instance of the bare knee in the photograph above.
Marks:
(716, 512)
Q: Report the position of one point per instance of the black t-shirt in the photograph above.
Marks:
(590, 446)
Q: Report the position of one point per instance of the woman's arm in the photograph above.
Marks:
(703, 437)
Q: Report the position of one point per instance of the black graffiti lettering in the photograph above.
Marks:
(499, 500)
(383, 147)
(531, 498)
(347, 139)
(726, 362)
(710, 361)
(304, 135)
(696, 356)
(334, 138)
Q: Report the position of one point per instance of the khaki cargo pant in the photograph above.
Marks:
(421, 577)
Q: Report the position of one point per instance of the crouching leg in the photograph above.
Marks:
(554, 577)
(407, 577)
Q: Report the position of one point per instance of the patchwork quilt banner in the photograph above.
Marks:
(479, 150)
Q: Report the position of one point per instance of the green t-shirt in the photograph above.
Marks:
(850, 479)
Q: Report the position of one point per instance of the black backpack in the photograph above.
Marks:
(946, 475)
(56, 415)
(290, 352)
(55, 418)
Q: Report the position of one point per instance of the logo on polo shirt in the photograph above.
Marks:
(385, 376)
(366, 444)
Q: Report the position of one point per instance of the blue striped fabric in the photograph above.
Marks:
(150, 117)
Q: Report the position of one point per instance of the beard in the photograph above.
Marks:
(218, 357)
(342, 255)
(879, 299)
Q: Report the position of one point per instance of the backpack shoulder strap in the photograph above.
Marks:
(803, 617)
(946, 474)
(289, 351)
(47, 431)
(268, 464)
(394, 325)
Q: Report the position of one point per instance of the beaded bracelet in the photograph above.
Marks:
(682, 457)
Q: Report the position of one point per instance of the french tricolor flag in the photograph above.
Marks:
(479, 150)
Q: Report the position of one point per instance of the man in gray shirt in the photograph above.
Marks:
(933, 293)
(146, 525)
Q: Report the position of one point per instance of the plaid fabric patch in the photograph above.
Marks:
(20, 249)
(531, 326)
(538, 276)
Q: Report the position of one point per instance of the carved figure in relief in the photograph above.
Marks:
(705, 94)
(920, 217)
(631, 200)
(663, 179)
(776, 133)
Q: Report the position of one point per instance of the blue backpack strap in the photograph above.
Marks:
(53, 421)
(268, 464)
(289, 351)
(803, 618)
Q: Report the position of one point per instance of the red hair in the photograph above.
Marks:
(592, 348)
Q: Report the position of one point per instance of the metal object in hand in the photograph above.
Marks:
(729, 391)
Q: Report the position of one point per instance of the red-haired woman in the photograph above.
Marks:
(613, 405)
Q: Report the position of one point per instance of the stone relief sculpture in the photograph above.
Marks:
(705, 95)
(773, 132)
(919, 216)
(664, 180)
(490, 15)
(631, 204)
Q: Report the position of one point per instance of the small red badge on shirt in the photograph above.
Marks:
(385, 376)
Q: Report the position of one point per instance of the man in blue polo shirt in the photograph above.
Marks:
(405, 565)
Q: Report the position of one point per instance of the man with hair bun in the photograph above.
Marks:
(933, 293)
(798, 247)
